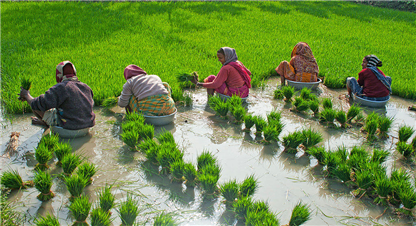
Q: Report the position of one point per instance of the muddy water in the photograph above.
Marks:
(284, 179)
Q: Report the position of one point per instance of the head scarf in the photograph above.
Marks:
(373, 61)
(133, 70)
(304, 60)
(69, 73)
(230, 55)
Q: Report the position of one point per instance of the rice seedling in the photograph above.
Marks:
(87, 170)
(165, 137)
(234, 101)
(131, 138)
(384, 124)
(372, 116)
(288, 92)
(300, 104)
(167, 155)
(185, 77)
(221, 108)
(300, 214)
(49, 140)
(408, 198)
(319, 153)
(358, 157)
(331, 162)
(239, 112)
(152, 153)
(364, 180)
(48, 220)
(12, 180)
(62, 149)
(204, 159)
(400, 179)
(242, 207)
(42, 155)
(248, 187)
(353, 112)
(164, 219)
(109, 102)
(310, 138)
(377, 169)
(147, 144)
(132, 116)
(100, 218)
(208, 184)
(80, 208)
(292, 141)
(384, 188)
(260, 124)
(274, 116)
(43, 183)
(177, 169)
(26, 83)
(327, 103)
(146, 132)
(70, 163)
(211, 169)
(190, 174)
(342, 172)
(328, 115)
(188, 100)
(106, 199)
(259, 206)
(249, 121)
(9, 213)
(405, 149)
(371, 128)
(254, 218)
(342, 153)
(213, 101)
(131, 126)
(229, 190)
(305, 93)
(379, 155)
(128, 211)
(270, 133)
(278, 94)
(341, 117)
(405, 132)
(314, 106)
(414, 143)
(75, 185)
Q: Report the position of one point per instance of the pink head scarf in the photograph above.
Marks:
(62, 75)
(133, 70)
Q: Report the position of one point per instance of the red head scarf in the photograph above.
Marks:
(64, 71)
(304, 60)
(133, 70)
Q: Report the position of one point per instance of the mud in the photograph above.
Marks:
(284, 179)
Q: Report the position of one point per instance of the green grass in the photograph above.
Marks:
(10, 215)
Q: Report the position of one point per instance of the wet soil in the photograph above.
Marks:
(284, 179)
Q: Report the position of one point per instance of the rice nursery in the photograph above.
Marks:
(325, 162)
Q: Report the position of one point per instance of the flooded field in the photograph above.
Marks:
(284, 179)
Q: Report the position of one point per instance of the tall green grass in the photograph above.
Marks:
(101, 39)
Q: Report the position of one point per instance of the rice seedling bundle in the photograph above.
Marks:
(405, 149)
(87, 170)
(342, 172)
(328, 115)
(185, 77)
(358, 157)
(364, 180)
(109, 102)
(221, 108)
(242, 207)
(211, 169)
(70, 163)
(260, 124)
(164, 219)
(146, 131)
(408, 198)
(128, 211)
(248, 122)
(305, 93)
(414, 143)
(42, 155)
(314, 106)
(229, 190)
(400, 179)
(331, 162)
(278, 94)
(248, 187)
(188, 99)
(165, 137)
(61, 150)
(75, 185)
(377, 169)
(131, 138)
(300, 104)
(131, 126)
(384, 124)
(384, 188)
(342, 153)
(43, 183)
(12, 180)
(270, 133)
(49, 140)
(319, 153)
(177, 94)
(48, 220)
(327, 103)
(277, 124)
(132, 116)
(234, 101)
(204, 159)
(167, 155)
(353, 112)
(379, 155)
(26, 83)
(341, 117)
(239, 112)
(274, 116)
(213, 101)
(147, 144)
(190, 174)
(100, 218)
(371, 128)
(300, 214)
(405, 132)
(259, 206)
(292, 141)
(372, 116)
(177, 169)
(288, 92)
(208, 184)
(152, 153)
(106, 199)
(80, 208)
(261, 218)
(310, 138)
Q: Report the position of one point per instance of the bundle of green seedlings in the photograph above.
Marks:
(48, 220)
(190, 174)
(310, 138)
(177, 169)
(146, 131)
(185, 77)
(87, 170)
(80, 208)
(164, 219)
(130, 134)
(278, 94)
(152, 153)
(314, 106)
(70, 162)
(292, 141)
(248, 187)
(26, 84)
(384, 188)
(167, 155)
(249, 121)
(42, 155)
(132, 116)
(75, 185)
(300, 105)
(109, 102)
(234, 101)
(208, 174)
(408, 199)
(405, 132)
(260, 123)
(61, 150)
(327, 103)
(187, 100)
(288, 92)
(384, 124)
(12, 180)
(230, 192)
(221, 108)
(371, 128)
(327, 116)
(50, 141)
(254, 213)
(341, 117)
(405, 149)
(165, 137)
(239, 113)
(43, 183)
(272, 132)
(146, 144)
(300, 214)
(128, 211)
(319, 153)
(100, 218)
(261, 216)
(353, 112)
(106, 199)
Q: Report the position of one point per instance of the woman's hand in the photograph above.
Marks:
(195, 79)
(24, 95)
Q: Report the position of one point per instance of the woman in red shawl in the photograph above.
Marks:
(301, 68)
(233, 78)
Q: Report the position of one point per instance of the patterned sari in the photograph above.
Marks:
(156, 105)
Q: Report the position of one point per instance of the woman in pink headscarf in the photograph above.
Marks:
(146, 94)
(233, 78)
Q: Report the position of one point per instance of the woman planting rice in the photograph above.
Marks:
(67, 104)
(372, 84)
(145, 94)
(301, 68)
(233, 78)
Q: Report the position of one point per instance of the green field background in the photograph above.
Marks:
(169, 38)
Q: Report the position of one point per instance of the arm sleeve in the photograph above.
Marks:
(51, 99)
(219, 80)
(124, 98)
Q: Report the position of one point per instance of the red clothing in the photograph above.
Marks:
(372, 86)
(227, 74)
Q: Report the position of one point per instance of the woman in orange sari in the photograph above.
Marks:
(301, 68)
